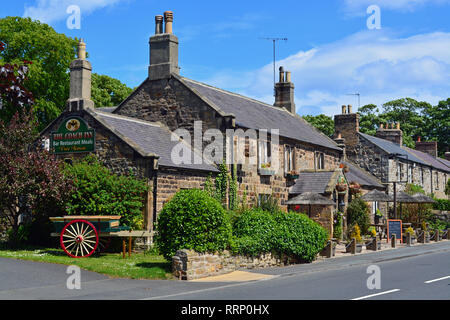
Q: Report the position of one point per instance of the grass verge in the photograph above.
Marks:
(138, 266)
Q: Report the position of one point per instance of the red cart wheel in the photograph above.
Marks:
(79, 239)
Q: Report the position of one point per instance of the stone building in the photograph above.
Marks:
(170, 131)
(385, 157)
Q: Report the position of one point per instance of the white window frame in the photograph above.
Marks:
(289, 163)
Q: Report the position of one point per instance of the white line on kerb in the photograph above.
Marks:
(376, 294)
(443, 278)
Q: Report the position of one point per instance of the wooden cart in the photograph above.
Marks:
(81, 236)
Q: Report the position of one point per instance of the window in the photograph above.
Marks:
(264, 159)
(410, 169)
(399, 171)
(437, 181)
(289, 159)
(320, 160)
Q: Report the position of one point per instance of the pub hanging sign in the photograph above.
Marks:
(73, 136)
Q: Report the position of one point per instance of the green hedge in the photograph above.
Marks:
(442, 204)
(98, 191)
(257, 232)
(192, 220)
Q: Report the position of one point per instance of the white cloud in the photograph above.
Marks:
(53, 10)
(377, 64)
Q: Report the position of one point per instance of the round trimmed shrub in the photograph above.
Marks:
(299, 236)
(192, 220)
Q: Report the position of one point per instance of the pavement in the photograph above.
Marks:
(406, 273)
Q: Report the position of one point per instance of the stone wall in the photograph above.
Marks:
(190, 265)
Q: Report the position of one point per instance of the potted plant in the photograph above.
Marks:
(356, 234)
(355, 188)
(412, 233)
(265, 170)
(371, 237)
(292, 175)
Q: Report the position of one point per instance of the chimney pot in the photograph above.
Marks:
(81, 50)
(398, 125)
(344, 109)
(168, 17)
(159, 24)
(281, 74)
(381, 126)
(418, 139)
(288, 76)
(349, 108)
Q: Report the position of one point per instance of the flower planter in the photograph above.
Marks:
(266, 172)
(292, 176)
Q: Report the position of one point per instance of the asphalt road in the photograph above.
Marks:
(407, 273)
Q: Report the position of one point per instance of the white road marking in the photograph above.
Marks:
(377, 294)
(434, 280)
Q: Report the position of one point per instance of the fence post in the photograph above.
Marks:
(436, 235)
(408, 239)
(354, 246)
(393, 241)
(448, 234)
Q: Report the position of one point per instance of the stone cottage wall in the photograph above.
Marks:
(190, 265)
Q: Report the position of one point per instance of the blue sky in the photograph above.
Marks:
(331, 52)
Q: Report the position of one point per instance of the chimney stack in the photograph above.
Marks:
(163, 49)
(284, 92)
(391, 132)
(341, 144)
(429, 147)
(80, 82)
(346, 126)
(447, 156)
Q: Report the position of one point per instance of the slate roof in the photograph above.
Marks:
(316, 182)
(432, 161)
(444, 161)
(107, 109)
(392, 148)
(150, 137)
(255, 114)
(361, 176)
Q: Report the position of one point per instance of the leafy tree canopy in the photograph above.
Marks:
(49, 55)
(107, 91)
(416, 118)
(322, 122)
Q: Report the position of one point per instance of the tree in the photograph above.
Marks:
(437, 124)
(50, 53)
(322, 122)
(107, 91)
(370, 119)
(408, 112)
(30, 177)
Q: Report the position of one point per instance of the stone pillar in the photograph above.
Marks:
(436, 235)
(408, 239)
